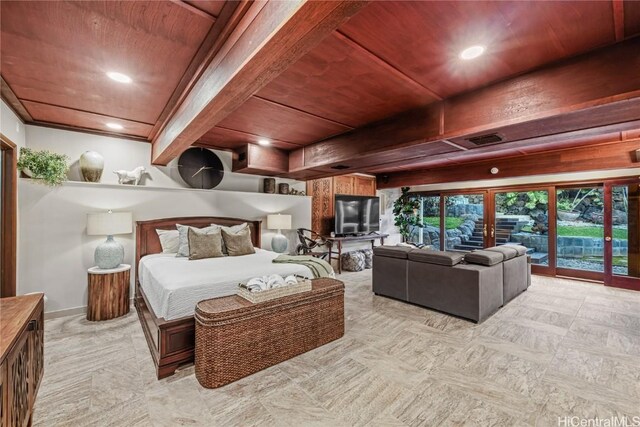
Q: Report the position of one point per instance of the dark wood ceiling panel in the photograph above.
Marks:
(82, 119)
(631, 11)
(58, 53)
(229, 139)
(424, 39)
(341, 81)
(213, 8)
(268, 120)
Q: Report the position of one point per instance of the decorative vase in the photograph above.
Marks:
(91, 166)
(269, 185)
(283, 188)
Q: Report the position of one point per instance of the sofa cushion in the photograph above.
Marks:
(483, 257)
(507, 252)
(392, 251)
(436, 257)
(520, 248)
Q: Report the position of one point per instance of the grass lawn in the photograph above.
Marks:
(586, 231)
(450, 222)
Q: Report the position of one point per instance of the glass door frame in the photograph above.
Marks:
(544, 270)
(611, 279)
(443, 213)
(607, 277)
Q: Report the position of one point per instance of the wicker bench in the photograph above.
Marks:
(235, 338)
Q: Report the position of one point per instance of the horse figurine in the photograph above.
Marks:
(131, 176)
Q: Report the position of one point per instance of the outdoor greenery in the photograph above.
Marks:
(584, 231)
(50, 168)
(567, 203)
(505, 200)
(405, 210)
(450, 222)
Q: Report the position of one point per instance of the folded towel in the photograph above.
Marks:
(319, 268)
(264, 283)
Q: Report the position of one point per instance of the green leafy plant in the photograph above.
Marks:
(569, 204)
(50, 168)
(405, 212)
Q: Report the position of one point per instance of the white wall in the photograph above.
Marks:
(11, 126)
(55, 250)
(121, 153)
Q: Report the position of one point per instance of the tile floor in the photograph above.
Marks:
(562, 348)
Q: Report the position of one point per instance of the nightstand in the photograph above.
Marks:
(108, 292)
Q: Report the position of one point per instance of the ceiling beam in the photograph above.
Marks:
(617, 155)
(579, 93)
(13, 102)
(618, 19)
(258, 51)
(231, 13)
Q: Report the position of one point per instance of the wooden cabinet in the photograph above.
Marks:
(22, 363)
(323, 191)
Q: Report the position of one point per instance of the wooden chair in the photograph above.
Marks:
(311, 244)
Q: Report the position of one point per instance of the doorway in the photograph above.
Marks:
(8, 216)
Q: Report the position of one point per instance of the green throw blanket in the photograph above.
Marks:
(319, 267)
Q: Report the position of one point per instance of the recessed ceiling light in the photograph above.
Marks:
(114, 126)
(472, 52)
(119, 77)
(264, 142)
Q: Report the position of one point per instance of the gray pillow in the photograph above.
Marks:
(183, 237)
(239, 243)
(169, 240)
(234, 229)
(204, 245)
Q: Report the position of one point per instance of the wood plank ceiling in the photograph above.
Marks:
(390, 58)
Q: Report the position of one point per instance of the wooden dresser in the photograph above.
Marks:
(22, 362)
(323, 190)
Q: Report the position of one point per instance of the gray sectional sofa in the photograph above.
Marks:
(473, 285)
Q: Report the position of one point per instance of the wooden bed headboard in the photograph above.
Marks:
(148, 242)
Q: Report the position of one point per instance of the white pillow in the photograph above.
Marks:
(183, 237)
(234, 229)
(169, 240)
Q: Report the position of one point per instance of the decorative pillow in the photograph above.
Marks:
(239, 243)
(183, 236)
(234, 229)
(169, 240)
(353, 261)
(368, 257)
(204, 245)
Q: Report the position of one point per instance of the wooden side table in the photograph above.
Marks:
(108, 292)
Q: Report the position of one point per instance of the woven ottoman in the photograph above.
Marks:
(236, 338)
(353, 261)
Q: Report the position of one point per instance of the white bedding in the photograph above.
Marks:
(174, 285)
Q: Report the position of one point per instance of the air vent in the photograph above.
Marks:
(340, 167)
(490, 138)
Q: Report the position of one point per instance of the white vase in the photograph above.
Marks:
(91, 166)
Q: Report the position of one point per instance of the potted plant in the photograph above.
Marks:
(405, 210)
(50, 168)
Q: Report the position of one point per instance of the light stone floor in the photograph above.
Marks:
(562, 348)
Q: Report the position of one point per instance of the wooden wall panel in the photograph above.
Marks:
(617, 155)
(8, 217)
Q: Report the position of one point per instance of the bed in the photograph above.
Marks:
(168, 288)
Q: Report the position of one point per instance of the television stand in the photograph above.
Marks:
(338, 241)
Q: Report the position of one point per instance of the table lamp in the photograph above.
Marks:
(279, 222)
(109, 254)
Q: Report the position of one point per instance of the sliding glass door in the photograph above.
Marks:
(521, 217)
(580, 235)
(622, 234)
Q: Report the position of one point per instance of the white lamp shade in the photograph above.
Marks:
(279, 222)
(109, 223)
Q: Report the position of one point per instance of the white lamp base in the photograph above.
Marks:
(109, 254)
(279, 243)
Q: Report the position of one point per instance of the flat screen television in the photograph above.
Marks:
(356, 214)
